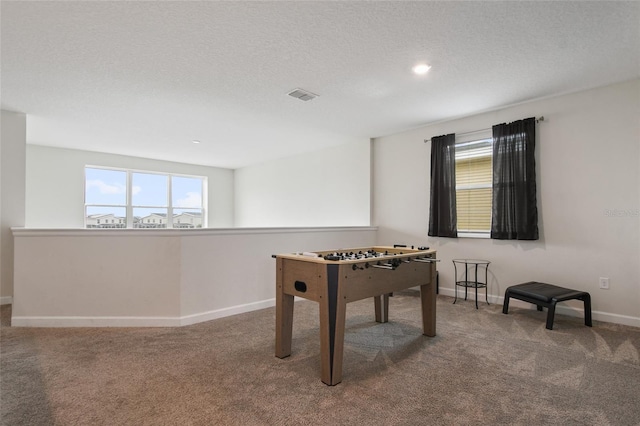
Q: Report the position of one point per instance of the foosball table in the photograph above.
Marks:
(335, 278)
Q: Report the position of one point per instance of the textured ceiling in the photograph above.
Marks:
(145, 78)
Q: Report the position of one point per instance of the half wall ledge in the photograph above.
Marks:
(122, 278)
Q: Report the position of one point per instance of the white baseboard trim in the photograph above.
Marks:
(560, 308)
(226, 312)
(6, 300)
(84, 321)
(612, 318)
(71, 321)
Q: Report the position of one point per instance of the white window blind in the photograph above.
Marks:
(474, 186)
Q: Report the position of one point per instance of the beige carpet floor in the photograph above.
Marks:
(482, 368)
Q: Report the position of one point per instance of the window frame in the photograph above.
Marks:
(129, 207)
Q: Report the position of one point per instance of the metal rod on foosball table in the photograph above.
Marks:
(383, 266)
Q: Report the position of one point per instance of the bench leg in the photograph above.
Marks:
(505, 305)
(587, 309)
(550, 314)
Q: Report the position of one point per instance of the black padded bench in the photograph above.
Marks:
(547, 295)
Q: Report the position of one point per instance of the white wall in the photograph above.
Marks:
(329, 187)
(96, 275)
(130, 277)
(55, 185)
(12, 193)
(588, 157)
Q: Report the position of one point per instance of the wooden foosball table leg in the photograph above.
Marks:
(381, 304)
(333, 309)
(284, 316)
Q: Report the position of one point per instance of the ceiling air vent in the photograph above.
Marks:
(303, 95)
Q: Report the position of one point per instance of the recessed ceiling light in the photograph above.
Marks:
(195, 141)
(421, 69)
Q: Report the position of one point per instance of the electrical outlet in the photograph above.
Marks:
(604, 283)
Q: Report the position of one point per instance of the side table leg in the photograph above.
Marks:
(466, 280)
(455, 282)
(486, 283)
(476, 286)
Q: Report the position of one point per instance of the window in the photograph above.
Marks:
(474, 186)
(135, 199)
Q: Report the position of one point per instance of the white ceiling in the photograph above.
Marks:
(145, 78)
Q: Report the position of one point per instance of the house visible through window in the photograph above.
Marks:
(134, 199)
(474, 186)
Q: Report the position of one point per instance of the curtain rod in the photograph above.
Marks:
(541, 118)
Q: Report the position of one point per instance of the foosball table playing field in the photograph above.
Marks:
(335, 278)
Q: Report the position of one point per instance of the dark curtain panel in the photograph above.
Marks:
(514, 213)
(442, 211)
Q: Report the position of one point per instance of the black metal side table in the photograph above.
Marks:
(473, 264)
